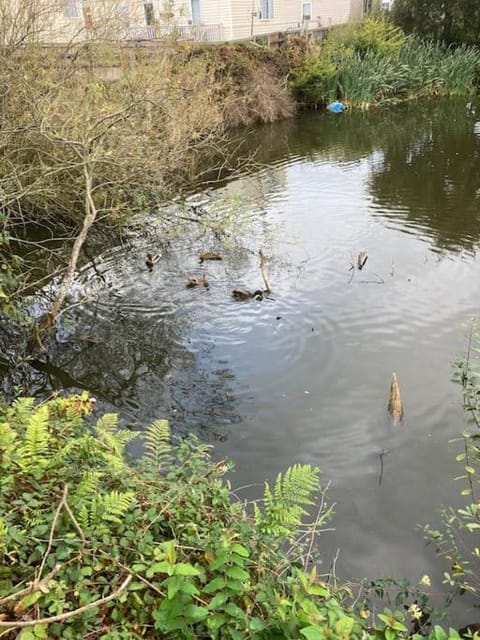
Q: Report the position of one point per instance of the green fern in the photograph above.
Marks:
(157, 443)
(284, 505)
(113, 441)
(22, 409)
(33, 455)
(111, 506)
(87, 486)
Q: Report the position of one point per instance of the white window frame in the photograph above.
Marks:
(266, 10)
(305, 4)
(70, 9)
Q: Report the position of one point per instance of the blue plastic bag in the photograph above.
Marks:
(336, 107)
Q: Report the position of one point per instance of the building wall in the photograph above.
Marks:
(64, 20)
(331, 12)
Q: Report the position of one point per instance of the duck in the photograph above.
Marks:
(242, 294)
(198, 282)
(209, 255)
(362, 259)
(151, 260)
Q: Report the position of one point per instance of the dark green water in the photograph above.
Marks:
(304, 376)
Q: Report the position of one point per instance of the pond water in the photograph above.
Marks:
(303, 376)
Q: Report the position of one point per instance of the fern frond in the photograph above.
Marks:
(110, 507)
(124, 436)
(114, 441)
(33, 454)
(284, 505)
(87, 486)
(22, 409)
(157, 443)
(107, 423)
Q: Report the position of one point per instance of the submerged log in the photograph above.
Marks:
(395, 408)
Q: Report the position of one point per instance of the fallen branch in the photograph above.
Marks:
(69, 614)
(35, 585)
(263, 261)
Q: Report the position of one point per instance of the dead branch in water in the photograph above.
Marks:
(263, 262)
(395, 407)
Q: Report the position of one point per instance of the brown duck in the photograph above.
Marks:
(395, 408)
(151, 260)
(198, 282)
(241, 294)
(209, 255)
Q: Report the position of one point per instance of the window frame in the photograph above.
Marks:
(304, 4)
(269, 14)
(71, 9)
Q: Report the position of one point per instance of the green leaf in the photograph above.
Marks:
(195, 612)
(237, 573)
(184, 569)
(217, 584)
(159, 567)
(390, 634)
(318, 590)
(256, 624)
(344, 627)
(234, 611)
(240, 550)
(40, 631)
(313, 632)
(215, 621)
(218, 601)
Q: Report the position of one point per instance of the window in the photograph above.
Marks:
(149, 13)
(70, 9)
(306, 11)
(195, 6)
(266, 9)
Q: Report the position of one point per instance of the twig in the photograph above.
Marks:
(263, 261)
(74, 521)
(332, 570)
(379, 281)
(69, 614)
(384, 452)
(52, 530)
(35, 585)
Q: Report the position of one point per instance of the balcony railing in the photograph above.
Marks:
(140, 33)
(196, 32)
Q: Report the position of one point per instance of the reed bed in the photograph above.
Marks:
(376, 73)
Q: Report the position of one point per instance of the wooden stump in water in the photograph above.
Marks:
(395, 408)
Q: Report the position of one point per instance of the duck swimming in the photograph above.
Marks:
(240, 294)
(197, 282)
(209, 255)
(151, 260)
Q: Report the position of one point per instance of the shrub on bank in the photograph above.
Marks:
(92, 547)
(374, 62)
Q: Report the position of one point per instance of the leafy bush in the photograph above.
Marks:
(457, 542)
(92, 547)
